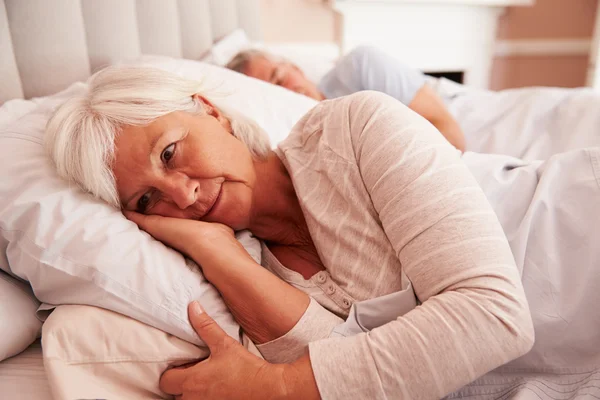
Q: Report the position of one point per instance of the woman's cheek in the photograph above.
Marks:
(167, 209)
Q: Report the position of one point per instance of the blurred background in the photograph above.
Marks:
(495, 44)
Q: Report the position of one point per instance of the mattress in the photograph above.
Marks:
(23, 376)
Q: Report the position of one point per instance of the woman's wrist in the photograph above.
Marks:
(216, 271)
(299, 380)
(264, 305)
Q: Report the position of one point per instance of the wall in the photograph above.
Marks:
(554, 26)
(298, 21)
(561, 27)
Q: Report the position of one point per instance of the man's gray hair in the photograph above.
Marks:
(80, 136)
(240, 62)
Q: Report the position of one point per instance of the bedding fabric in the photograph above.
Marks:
(92, 353)
(548, 210)
(315, 60)
(19, 326)
(528, 123)
(74, 249)
(24, 377)
(14, 109)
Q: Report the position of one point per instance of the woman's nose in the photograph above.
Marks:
(184, 191)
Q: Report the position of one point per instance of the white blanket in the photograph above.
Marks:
(530, 123)
(549, 212)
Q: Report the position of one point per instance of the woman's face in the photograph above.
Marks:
(186, 166)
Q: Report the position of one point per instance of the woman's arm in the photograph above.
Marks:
(474, 315)
(263, 304)
(232, 372)
(280, 319)
(270, 310)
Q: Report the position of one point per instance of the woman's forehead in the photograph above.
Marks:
(134, 139)
(146, 136)
(133, 161)
(132, 150)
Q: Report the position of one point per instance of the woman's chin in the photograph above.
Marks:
(235, 223)
(232, 208)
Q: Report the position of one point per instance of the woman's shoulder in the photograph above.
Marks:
(337, 114)
(320, 134)
(327, 127)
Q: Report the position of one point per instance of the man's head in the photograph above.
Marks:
(265, 67)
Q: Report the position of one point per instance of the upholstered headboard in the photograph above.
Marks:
(45, 45)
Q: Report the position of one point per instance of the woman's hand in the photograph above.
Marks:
(264, 305)
(208, 243)
(230, 372)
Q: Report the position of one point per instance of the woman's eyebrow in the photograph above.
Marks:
(154, 141)
(172, 133)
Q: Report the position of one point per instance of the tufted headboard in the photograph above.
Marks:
(45, 45)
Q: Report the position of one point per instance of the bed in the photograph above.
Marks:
(46, 46)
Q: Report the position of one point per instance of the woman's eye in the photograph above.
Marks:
(143, 202)
(168, 153)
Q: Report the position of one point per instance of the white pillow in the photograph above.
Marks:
(74, 249)
(80, 352)
(314, 59)
(19, 327)
(225, 49)
(14, 109)
(274, 108)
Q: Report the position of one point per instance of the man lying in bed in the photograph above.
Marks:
(365, 68)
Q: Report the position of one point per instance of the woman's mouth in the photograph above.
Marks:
(214, 204)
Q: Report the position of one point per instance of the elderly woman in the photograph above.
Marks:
(364, 199)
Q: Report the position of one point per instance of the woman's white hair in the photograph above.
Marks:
(81, 134)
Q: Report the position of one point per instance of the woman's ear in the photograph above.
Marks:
(208, 107)
(213, 111)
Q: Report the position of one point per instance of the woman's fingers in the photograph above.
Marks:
(208, 330)
(146, 222)
(140, 220)
(171, 381)
(133, 216)
(170, 231)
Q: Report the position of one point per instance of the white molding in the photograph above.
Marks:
(543, 47)
(430, 35)
(593, 74)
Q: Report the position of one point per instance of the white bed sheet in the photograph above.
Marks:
(548, 212)
(24, 377)
(528, 123)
